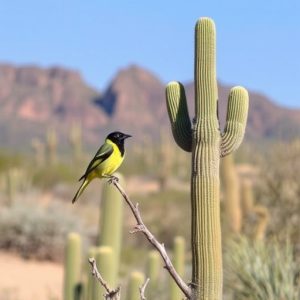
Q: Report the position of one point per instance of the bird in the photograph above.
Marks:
(106, 161)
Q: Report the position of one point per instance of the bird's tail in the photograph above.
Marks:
(81, 189)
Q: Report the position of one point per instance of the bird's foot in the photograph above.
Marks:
(113, 179)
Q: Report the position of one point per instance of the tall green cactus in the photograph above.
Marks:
(135, 282)
(72, 266)
(207, 144)
(110, 231)
(231, 189)
(179, 265)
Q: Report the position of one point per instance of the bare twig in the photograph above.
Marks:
(141, 227)
(110, 294)
(143, 288)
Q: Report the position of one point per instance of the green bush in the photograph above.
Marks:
(36, 232)
(261, 270)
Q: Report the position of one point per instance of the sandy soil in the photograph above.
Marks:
(29, 280)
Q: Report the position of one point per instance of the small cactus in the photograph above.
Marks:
(72, 266)
(179, 265)
(152, 272)
(136, 280)
(105, 261)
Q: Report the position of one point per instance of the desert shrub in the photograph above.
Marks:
(36, 232)
(261, 270)
(279, 188)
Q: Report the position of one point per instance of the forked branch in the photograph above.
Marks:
(141, 227)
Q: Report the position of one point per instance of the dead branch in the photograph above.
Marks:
(141, 227)
(110, 293)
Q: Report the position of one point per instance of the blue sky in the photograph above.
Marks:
(258, 42)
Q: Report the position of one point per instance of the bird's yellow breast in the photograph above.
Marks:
(112, 163)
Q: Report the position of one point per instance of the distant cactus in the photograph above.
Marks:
(72, 266)
(105, 262)
(152, 272)
(11, 186)
(39, 151)
(179, 265)
(136, 280)
(231, 191)
(16, 180)
(250, 208)
(207, 144)
(247, 199)
(165, 158)
(110, 231)
(51, 144)
(262, 214)
(75, 138)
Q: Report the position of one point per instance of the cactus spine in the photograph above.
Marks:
(110, 231)
(231, 190)
(135, 282)
(72, 266)
(179, 265)
(207, 145)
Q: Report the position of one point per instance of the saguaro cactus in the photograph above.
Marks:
(110, 231)
(207, 144)
(72, 265)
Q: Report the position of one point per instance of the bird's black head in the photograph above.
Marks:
(118, 138)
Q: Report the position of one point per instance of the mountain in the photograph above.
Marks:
(33, 99)
(135, 99)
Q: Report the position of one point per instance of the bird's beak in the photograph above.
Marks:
(126, 136)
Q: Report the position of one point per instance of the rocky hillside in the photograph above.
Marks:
(33, 99)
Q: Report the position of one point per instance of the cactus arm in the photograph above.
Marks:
(237, 112)
(179, 115)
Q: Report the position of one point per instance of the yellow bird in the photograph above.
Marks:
(107, 160)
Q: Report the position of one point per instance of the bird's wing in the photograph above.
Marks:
(102, 154)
